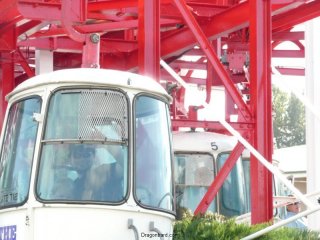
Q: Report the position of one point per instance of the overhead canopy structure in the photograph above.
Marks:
(232, 40)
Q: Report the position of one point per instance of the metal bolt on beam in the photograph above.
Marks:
(95, 38)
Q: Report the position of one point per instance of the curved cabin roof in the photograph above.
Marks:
(202, 142)
(92, 76)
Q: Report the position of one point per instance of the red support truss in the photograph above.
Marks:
(149, 38)
(260, 92)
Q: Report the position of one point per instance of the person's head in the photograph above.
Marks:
(294, 207)
(82, 156)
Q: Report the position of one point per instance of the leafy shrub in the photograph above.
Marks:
(213, 226)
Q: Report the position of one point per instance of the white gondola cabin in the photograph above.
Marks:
(86, 154)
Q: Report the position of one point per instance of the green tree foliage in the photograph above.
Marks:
(280, 103)
(296, 121)
(289, 119)
(213, 226)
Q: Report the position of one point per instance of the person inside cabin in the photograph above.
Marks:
(82, 157)
(105, 179)
(99, 176)
(293, 209)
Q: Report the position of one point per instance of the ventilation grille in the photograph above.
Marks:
(103, 115)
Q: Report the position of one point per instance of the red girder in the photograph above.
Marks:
(217, 26)
(238, 13)
(8, 13)
(24, 64)
(288, 36)
(7, 40)
(213, 125)
(39, 10)
(107, 5)
(212, 57)
(288, 53)
(296, 16)
(116, 26)
(149, 35)
(261, 103)
(7, 81)
(52, 43)
(291, 71)
(23, 28)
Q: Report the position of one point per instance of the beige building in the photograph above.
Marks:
(293, 164)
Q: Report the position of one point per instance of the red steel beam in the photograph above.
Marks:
(10, 23)
(198, 81)
(27, 26)
(298, 44)
(107, 45)
(91, 51)
(6, 83)
(202, 81)
(219, 179)
(149, 38)
(8, 40)
(118, 45)
(239, 126)
(238, 18)
(8, 11)
(288, 36)
(52, 43)
(39, 11)
(218, 26)
(101, 27)
(189, 65)
(206, 46)
(116, 26)
(118, 4)
(291, 71)
(244, 47)
(73, 11)
(52, 31)
(24, 64)
(288, 53)
(296, 16)
(260, 97)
